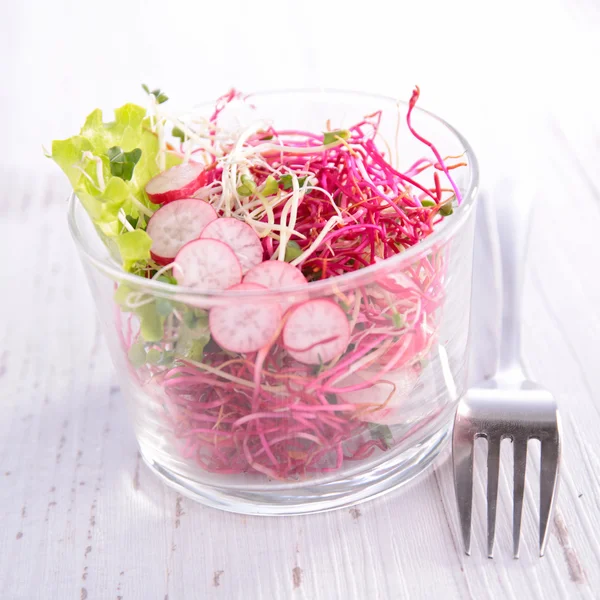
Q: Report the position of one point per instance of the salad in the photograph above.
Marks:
(282, 387)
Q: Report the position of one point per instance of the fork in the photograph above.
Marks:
(508, 405)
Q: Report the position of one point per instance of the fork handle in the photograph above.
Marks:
(513, 214)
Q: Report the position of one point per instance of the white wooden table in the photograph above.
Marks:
(81, 516)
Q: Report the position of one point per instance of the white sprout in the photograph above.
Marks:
(163, 270)
(79, 168)
(238, 158)
(229, 178)
(333, 221)
(123, 219)
(99, 174)
(137, 299)
(143, 209)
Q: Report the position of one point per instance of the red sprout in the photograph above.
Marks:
(265, 412)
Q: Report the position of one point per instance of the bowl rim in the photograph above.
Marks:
(446, 229)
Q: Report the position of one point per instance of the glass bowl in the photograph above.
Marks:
(264, 433)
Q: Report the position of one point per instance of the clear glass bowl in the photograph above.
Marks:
(346, 430)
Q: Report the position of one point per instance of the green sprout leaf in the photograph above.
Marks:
(330, 137)
(153, 356)
(292, 251)
(247, 187)
(193, 336)
(163, 307)
(427, 203)
(123, 163)
(196, 318)
(179, 133)
(195, 350)
(121, 295)
(320, 367)
(167, 279)
(137, 354)
(397, 320)
(286, 181)
(151, 323)
(446, 209)
(270, 187)
(160, 96)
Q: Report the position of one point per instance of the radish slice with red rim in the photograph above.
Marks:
(175, 224)
(275, 274)
(240, 237)
(244, 325)
(316, 331)
(207, 265)
(180, 181)
(390, 391)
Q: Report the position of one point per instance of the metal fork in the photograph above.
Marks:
(508, 405)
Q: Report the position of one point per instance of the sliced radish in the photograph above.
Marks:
(391, 392)
(274, 274)
(207, 265)
(398, 282)
(181, 181)
(245, 325)
(316, 332)
(175, 224)
(240, 237)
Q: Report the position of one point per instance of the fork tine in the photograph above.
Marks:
(520, 465)
(548, 483)
(462, 450)
(493, 468)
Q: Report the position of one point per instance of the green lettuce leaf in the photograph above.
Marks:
(151, 321)
(67, 155)
(129, 131)
(134, 247)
